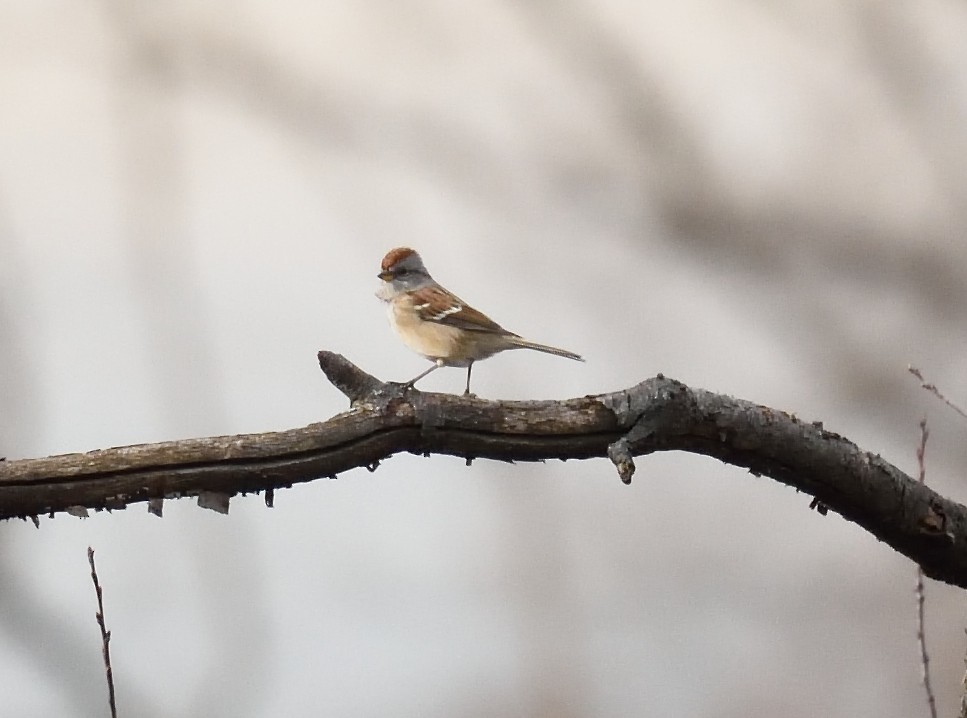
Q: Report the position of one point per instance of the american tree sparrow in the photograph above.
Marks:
(439, 325)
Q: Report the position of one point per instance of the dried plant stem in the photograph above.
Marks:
(932, 388)
(963, 694)
(921, 596)
(924, 657)
(105, 635)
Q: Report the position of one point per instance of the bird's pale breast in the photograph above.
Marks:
(438, 341)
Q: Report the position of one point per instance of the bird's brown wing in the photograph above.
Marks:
(436, 304)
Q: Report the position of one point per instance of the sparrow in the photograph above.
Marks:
(434, 322)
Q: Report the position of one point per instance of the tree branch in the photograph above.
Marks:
(659, 414)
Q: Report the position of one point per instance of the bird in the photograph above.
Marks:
(434, 322)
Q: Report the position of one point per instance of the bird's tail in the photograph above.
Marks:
(524, 344)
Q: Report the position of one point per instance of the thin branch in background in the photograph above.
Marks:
(963, 694)
(932, 388)
(105, 635)
(921, 596)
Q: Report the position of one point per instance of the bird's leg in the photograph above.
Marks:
(436, 365)
(466, 391)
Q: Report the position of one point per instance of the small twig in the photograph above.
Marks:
(105, 635)
(932, 388)
(921, 595)
(963, 694)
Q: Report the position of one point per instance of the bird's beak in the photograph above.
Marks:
(385, 276)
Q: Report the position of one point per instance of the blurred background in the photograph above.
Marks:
(763, 199)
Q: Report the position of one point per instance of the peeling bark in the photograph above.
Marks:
(659, 414)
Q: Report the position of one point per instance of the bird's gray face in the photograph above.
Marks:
(404, 276)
